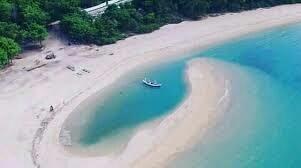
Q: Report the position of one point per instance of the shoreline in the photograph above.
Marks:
(54, 85)
(83, 113)
(209, 97)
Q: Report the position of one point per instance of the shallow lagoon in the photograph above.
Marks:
(262, 128)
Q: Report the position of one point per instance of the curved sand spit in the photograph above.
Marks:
(208, 99)
(209, 96)
(30, 133)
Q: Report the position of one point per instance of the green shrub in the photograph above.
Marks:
(148, 28)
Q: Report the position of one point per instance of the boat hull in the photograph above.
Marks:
(151, 85)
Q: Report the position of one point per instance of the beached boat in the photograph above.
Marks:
(151, 83)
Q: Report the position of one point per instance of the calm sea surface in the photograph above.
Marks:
(262, 129)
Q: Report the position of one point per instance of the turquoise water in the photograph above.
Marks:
(262, 128)
(134, 103)
(116, 113)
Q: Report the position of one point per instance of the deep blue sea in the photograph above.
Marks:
(262, 129)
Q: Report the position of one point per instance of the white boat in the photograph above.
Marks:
(151, 83)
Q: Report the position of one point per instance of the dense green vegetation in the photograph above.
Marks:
(8, 49)
(114, 24)
(24, 22)
(89, 3)
(143, 16)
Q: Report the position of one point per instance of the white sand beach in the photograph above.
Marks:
(30, 132)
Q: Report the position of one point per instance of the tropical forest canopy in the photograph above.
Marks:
(24, 22)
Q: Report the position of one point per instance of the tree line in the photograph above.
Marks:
(24, 22)
(143, 16)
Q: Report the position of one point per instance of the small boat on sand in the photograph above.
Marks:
(151, 83)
